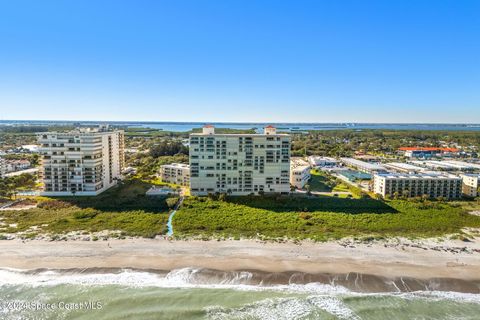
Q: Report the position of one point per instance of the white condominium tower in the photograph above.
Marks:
(81, 162)
(239, 164)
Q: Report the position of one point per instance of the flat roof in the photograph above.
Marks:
(473, 175)
(322, 158)
(418, 176)
(360, 163)
(176, 165)
(300, 168)
(298, 162)
(447, 164)
(239, 134)
(402, 165)
(428, 149)
(463, 163)
(77, 133)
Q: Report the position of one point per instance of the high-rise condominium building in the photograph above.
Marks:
(81, 162)
(177, 173)
(239, 164)
(432, 185)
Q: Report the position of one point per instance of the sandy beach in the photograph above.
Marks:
(394, 258)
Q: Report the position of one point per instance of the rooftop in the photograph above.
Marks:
(201, 134)
(448, 165)
(418, 176)
(298, 164)
(464, 164)
(360, 163)
(428, 149)
(473, 175)
(177, 165)
(81, 131)
(402, 165)
(322, 158)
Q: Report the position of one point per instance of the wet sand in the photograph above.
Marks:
(427, 260)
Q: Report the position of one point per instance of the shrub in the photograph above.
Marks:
(327, 218)
(171, 202)
(85, 214)
(54, 205)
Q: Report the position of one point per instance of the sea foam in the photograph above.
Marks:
(198, 278)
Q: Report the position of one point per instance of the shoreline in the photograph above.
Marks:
(454, 259)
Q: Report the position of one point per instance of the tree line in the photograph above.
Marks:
(10, 186)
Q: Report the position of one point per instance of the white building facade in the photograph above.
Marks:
(239, 164)
(470, 184)
(299, 173)
(176, 173)
(316, 161)
(16, 165)
(81, 162)
(418, 185)
(363, 166)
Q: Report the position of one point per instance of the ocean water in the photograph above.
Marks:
(286, 127)
(205, 294)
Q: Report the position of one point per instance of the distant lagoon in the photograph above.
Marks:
(289, 127)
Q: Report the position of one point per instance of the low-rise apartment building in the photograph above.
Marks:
(299, 173)
(239, 164)
(81, 162)
(470, 184)
(177, 173)
(317, 161)
(16, 165)
(363, 166)
(447, 165)
(432, 185)
(404, 167)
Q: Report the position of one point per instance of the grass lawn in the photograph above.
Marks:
(341, 187)
(318, 218)
(124, 208)
(319, 182)
(322, 182)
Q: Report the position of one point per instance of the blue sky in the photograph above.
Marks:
(241, 60)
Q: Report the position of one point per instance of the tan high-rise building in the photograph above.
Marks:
(81, 162)
(239, 164)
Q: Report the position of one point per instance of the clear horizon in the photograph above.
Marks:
(239, 122)
(267, 61)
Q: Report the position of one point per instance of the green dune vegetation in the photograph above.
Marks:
(124, 208)
(318, 218)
